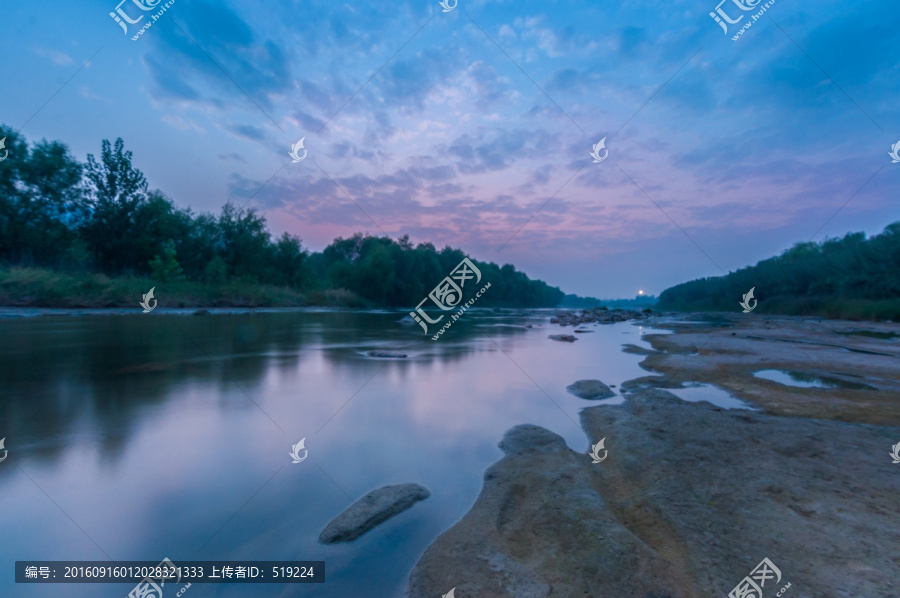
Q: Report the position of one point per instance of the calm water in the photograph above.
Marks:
(138, 437)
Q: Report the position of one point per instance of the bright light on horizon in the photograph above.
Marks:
(641, 292)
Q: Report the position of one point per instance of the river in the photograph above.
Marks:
(144, 436)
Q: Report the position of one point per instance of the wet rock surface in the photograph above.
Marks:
(565, 338)
(691, 498)
(374, 508)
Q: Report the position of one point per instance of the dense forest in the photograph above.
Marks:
(853, 277)
(101, 217)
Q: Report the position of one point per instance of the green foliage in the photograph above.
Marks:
(852, 277)
(216, 272)
(165, 267)
(55, 212)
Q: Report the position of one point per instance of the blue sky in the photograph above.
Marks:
(478, 123)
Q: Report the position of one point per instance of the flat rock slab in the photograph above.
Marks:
(374, 508)
(566, 338)
(691, 498)
(590, 390)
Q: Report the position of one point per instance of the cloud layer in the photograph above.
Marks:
(472, 128)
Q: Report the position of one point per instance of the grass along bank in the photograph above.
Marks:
(38, 287)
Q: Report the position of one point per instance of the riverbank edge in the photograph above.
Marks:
(42, 288)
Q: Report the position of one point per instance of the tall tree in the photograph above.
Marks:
(116, 190)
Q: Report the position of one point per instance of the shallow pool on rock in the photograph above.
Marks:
(807, 380)
(711, 394)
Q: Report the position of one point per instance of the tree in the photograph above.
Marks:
(243, 242)
(115, 190)
(39, 200)
(289, 261)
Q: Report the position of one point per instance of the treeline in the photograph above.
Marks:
(853, 277)
(576, 302)
(101, 216)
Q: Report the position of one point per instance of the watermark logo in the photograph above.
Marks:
(745, 303)
(745, 6)
(450, 593)
(295, 451)
(448, 294)
(895, 454)
(145, 6)
(6, 151)
(724, 20)
(445, 4)
(294, 148)
(148, 588)
(5, 452)
(600, 145)
(123, 19)
(752, 585)
(146, 302)
(895, 149)
(595, 451)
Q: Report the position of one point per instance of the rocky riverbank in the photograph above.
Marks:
(692, 497)
(859, 362)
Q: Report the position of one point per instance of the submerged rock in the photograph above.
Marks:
(374, 508)
(567, 338)
(591, 390)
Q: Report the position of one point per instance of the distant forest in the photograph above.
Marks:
(853, 277)
(575, 302)
(101, 216)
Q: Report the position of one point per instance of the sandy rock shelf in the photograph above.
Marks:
(691, 498)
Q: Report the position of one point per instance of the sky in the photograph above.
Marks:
(473, 128)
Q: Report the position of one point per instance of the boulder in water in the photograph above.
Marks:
(374, 508)
(591, 390)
